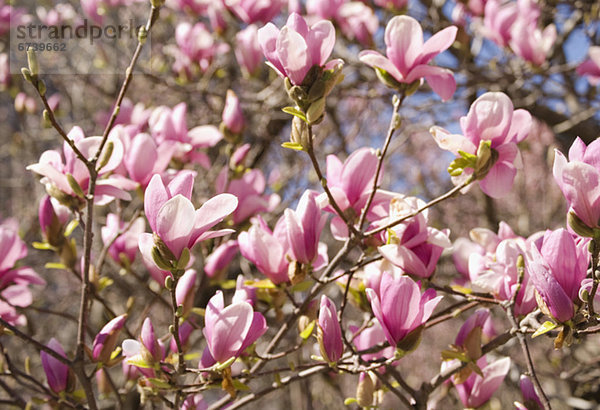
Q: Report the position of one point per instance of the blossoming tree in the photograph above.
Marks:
(400, 198)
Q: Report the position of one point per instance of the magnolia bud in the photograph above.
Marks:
(315, 112)
(579, 226)
(365, 390)
(34, 67)
(486, 158)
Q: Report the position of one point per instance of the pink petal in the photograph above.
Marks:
(173, 223)
(376, 60)
(294, 55)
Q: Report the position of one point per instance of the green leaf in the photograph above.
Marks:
(54, 265)
(544, 328)
(293, 145)
(295, 112)
(461, 289)
(239, 385)
(44, 246)
(198, 311)
(227, 284)
(161, 384)
(191, 356)
(104, 282)
(71, 227)
(302, 286)
(138, 361)
(349, 401)
(450, 355)
(261, 284)
(308, 330)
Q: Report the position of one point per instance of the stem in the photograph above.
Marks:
(34, 342)
(275, 386)
(323, 181)
(510, 311)
(595, 244)
(390, 133)
(429, 204)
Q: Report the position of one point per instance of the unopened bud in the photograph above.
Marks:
(26, 74)
(296, 272)
(41, 86)
(387, 79)
(34, 67)
(157, 3)
(110, 146)
(486, 158)
(142, 35)
(579, 226)
(77, 190)
(159, 260)
(315, 112)
(179, 311)
(365, 390)
(169, 282)
(299, 133)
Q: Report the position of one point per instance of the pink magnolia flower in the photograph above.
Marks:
(254, 11)
(14, 279)
(475, 322)
(194, 402)
(5, 75)
(25, 103)
(250, 191)
(351, 183)
(247, 51)
(233, 117)
(477, 390)
(129, 115)
(589, 68)
(218, 261)
(408, 56)
(171, 124)
(266, 249)
(57, 373)
(126, 244)
(399, 306)
(329, 331)
(294, 50)
(369, 338)
(185, 331)
(170, 213)
(52, 216)
(243, 292)
(530, 397)
(530, 43)
(586, 290)
(54, 170)
(557, 270)
(148, 349)
(304, 226)
(230, 330)
(500, 19)
(579, 180)
(491, 118)
(496, 272)
(356, 19)
(106, 340)
(413, 246)
(144, 158)
(196, 47)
